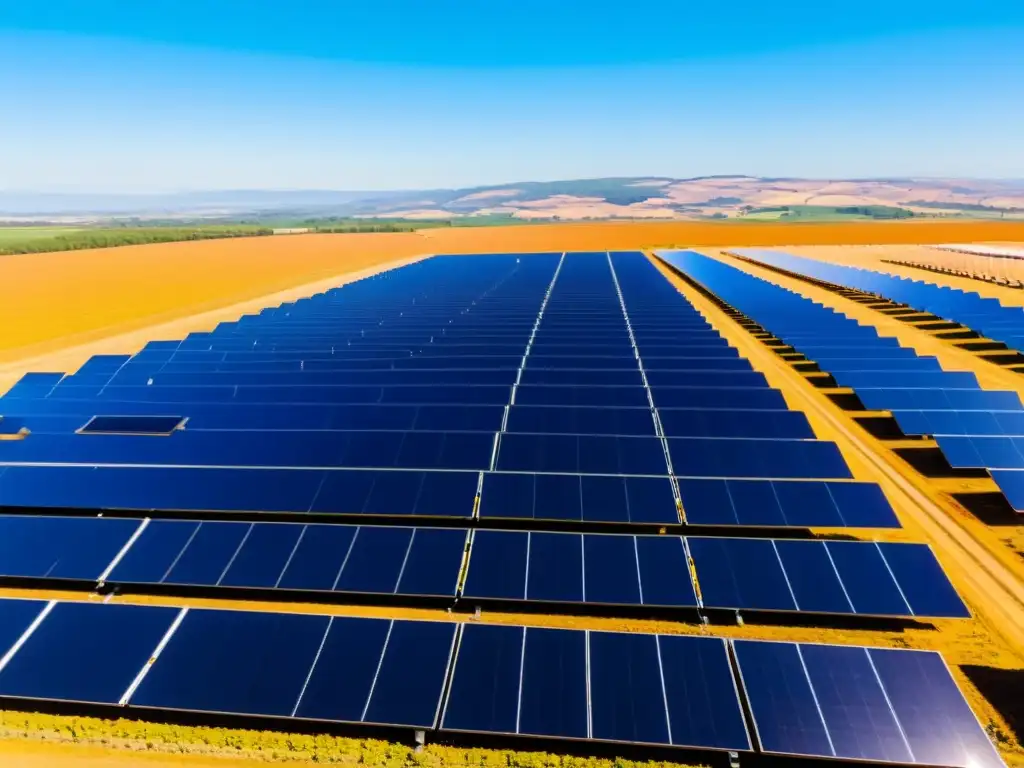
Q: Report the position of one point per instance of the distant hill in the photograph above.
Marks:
(576, 199)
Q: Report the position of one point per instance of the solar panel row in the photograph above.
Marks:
(837, 577)
(848, 702)
(975, 428)
(396, 493)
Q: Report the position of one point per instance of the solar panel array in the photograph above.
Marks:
(570, 569)
(379, 442)
(974, 427)
(662, 690)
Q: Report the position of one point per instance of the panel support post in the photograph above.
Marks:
(734, 760)
(420, 737)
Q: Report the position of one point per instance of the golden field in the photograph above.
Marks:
(67, 306)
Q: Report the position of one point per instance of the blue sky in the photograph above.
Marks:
(396, 94)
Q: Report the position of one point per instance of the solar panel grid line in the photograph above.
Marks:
(817, 703)
(316, 658)
(590, 704)
(344, 560)
(177, 558)
(405, 560)
(137, 680)
(105, 573)
(664, 690)
(234, 555)
(291, 556)
(888, 701)
(896, 581)
(29, 631)
(785, 575)
(519, 698)
(583, 567)
(376, 674)
(839, 578)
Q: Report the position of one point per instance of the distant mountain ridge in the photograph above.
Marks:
(643, 197)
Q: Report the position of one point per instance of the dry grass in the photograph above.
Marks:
(122, 743)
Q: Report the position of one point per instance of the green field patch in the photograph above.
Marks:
(15, 235)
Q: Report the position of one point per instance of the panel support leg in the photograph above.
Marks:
(734, 760)
(420, 738)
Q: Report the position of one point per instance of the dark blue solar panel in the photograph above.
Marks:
(341, 678)
(626, 696)
(703, 705)
(263, 555)
(409, 682)
(607, 396)
(719, 397)
(241, 662)
(553, 697)
(15, 618)
(664, 572)
(922, 581)
(207, 554)
(756, 458)
(787, 716)
(133, 425)
(939, 726)
(734, 423)
(922, 379)
(869, 582)
(484, 695)
(860, 722)
(497, 565)
(610, 571)
(60, 547)
(155, 552)
(740, 574)
(318, 558)
(85, 652)
(580, 420)
(572, 497)
(939, 399)
(433, 562)
(989, 452)
(433, 494)
(812, 577)
(590, 454)
(555, 567)
(374, 562)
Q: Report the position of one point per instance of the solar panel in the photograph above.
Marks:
(133, 425)
(60, 547)
(368, 492)
(752, 458)
(86, 653)
(809, 700)
(836, 577)
(220, 653)
(367, 559)
(626, 688)
(852, 703)
(781, 503)
(589, 454)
